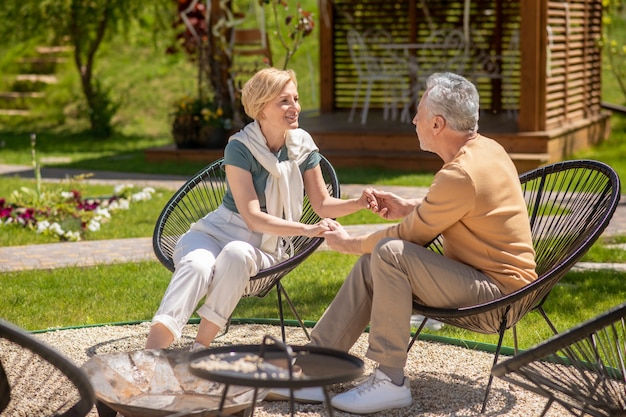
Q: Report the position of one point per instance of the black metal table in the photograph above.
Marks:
(274, 364)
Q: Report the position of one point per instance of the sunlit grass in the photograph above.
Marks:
(116, 293)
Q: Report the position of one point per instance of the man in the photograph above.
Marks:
(475, 202)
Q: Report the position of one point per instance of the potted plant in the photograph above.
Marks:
(199, 122)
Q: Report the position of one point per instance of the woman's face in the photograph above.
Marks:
(283, 111)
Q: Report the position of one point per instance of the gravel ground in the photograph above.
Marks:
(445, 380)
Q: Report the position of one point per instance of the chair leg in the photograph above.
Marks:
(417, 333)
(355, 101)
(366, 104)
(280, 312)
(547, 407)
(226, 328)
(545, 317)
(104, 410)
(281, 289)
(495, 361)
(5, 390)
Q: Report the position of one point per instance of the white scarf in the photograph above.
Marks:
(284, 191)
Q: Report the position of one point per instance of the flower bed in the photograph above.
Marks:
(65, 214)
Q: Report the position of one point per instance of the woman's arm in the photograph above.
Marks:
(242, 188)
(327, 206)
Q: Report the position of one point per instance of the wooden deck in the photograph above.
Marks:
(394, 144)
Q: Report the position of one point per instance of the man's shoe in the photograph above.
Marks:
(311, 395)
(377, 393)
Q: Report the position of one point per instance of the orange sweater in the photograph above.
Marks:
(477, 204)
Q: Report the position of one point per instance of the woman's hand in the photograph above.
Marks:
(368, 200)
(318, 229)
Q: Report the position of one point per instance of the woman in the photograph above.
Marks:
(268, 164)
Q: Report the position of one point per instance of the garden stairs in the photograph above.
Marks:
(26, 84)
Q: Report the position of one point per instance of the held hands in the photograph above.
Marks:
(388, 205)
(337, 238)
(320, 228)
(391, 206)
(340, 241)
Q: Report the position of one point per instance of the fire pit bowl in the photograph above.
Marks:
(158, 383)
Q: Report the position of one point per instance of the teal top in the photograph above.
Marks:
(238, 154)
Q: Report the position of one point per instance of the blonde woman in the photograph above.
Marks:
(268, 164)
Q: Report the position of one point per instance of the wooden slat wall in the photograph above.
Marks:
(495, 27)
(573, 61)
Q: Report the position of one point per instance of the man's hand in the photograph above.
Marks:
(393, 207)
(339, 240)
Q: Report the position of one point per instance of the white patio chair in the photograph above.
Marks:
(374, 63)
(445, 50)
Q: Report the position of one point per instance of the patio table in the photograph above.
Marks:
(259, 366)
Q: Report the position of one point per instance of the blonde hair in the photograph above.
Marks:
(263, 87)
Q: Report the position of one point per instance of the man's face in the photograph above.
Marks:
(422, 127)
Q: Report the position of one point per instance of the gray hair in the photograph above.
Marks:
(455, 99)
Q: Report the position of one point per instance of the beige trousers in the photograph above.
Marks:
(379, 290)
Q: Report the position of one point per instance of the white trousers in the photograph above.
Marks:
(215, 260)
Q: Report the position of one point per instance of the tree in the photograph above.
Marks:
(85, 25)
(613, 41)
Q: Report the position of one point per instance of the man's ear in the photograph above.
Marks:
(439, 123)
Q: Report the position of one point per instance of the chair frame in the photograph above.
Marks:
(211, 181)
(511, 308)
(75, 375)
(588, 360)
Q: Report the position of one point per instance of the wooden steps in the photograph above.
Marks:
(32, 75)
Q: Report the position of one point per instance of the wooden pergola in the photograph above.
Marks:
(542, 102)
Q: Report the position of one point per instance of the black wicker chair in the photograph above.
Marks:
(570, 204)
(583, 369)
(36, 380)
(203, 193)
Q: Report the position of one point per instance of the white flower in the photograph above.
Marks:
(93, 225)
(119, 204)
(119, 189)
(56, 228)
(102, 212)
(68, 195)
(42, 226)
(145, 194)
(72, 236)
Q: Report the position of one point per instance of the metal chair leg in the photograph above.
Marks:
(282, 290)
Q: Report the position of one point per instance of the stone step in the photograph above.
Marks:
(39, 65)
(20, 94)
(42, 59)
(37, 78)
(19, 100)
(51, 50)
(14, 112)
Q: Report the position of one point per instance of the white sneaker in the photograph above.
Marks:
(377, 393)
(311, 395)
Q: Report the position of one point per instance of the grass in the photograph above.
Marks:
(131, 291)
